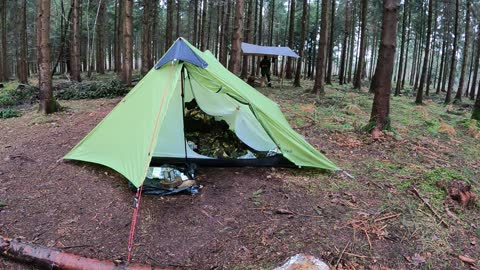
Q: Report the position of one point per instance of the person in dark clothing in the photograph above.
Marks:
(265, 69)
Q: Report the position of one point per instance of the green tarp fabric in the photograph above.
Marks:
(126, 138)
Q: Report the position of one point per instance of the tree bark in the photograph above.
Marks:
(357, 82)
(3, 21)
(419, 98)
(475, 69)
(272, 22)
(147, 33)
(102, 12)
(118, 36)
(23, 65)
(291, 32)
(302, 43)
(319, 86)
(343, 57)
(331, 43)
(234, 62)
(225, 32)
(451, 79)
(248, 32)
(379, 118)
(398, 86)
(476, 107)
(75, 65)
(169, 27)
(128, 43)
(51, 258)
(47, 102)
(458, 96)
(203, 37)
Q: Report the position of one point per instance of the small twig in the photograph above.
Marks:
(341, 254)
(368, 238)
(387, 217)
(415, 191)
(356, 255)
(79, 246)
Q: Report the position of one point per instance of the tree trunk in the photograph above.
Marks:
(272, 22)
(458, 96)
(352, 43)
(47, 102)
(470, 71)
(451, 78)
(302, 43)
(357, 82)
(443, 61)
(195, 23)
(178, 19)
(203, 37)
(315, 33)
(408, 48)
(291, 32)
(398, 87)
(147, 33)
(379, 119)
(102, 11)
(169, 27)
(128, 43)
(475, 69)
(3, 21)
(419, 98)
(476, 107)
(50, 258)
(319, 86)
(248, 32)
(118, 36)
(22, 65)
(343, 57)
(75, 65)
(234, 62)
(430, 70)
(331, 43)
(225, 32)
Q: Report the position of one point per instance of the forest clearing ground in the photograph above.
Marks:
(233, 223)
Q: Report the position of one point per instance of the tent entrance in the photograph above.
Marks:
(215, 130)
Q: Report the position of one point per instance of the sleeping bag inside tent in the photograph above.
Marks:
(188, 94)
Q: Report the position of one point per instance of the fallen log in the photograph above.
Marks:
(50, 258)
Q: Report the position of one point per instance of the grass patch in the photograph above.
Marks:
(9, 113)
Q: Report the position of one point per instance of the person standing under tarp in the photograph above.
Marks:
(265, 69)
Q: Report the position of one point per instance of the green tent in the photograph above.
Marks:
(148, 122)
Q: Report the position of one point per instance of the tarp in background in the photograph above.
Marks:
(252, 49)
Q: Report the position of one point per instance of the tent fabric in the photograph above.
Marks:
(148, 121)
(252, 49)
(181, 51)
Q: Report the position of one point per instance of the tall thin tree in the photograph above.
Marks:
(75, 65)
(343, 56)
(453, 67)
(357, 81)
(291, 32)
(382, 80)
(402, 50)
(319, 86)
(233, 64)
(302, 43)
(47, 101)
(458, 96)
(419, 98)
(128, 43)
(23, 65)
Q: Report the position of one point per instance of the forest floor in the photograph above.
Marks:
(369, 222)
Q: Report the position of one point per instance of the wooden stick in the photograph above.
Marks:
(387, 217)
(341, 254)
(415, 191)
(52, 258)
(368, 238)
